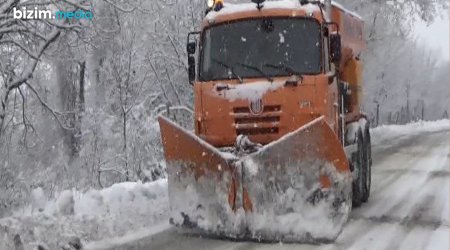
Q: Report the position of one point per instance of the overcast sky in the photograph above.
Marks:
(436, 35)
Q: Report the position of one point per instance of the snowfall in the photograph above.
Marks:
(125, 212)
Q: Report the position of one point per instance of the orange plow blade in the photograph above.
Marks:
(300, 186)
(295, 189)
(202, 186)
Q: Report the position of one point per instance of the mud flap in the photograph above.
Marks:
(299, 186)
(201, 182)
(295, 189)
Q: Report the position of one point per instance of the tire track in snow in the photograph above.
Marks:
(386, 158)
(404, 183)
(416, 239)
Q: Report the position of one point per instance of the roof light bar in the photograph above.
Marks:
(215, 5)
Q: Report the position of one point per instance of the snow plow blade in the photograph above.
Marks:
(296, 189)
(299, 186)
(201, 182)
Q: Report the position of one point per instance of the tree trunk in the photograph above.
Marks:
(67, 81)
(77, 135)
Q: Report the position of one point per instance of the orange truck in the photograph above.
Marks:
(281, 149)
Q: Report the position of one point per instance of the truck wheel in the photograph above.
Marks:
(358, 166)
(367, 166)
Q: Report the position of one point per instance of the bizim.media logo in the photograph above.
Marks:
(36, 13)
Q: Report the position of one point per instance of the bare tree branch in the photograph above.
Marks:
(45, 105)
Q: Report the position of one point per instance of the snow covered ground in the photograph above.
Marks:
(92, 216)
(408, 209)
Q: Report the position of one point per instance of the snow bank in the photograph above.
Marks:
(90, 216)
(388, 132)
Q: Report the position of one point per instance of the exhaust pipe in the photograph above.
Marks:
(327, 4)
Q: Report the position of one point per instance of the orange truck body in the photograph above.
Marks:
(219, 121)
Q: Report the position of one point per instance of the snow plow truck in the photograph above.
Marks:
(281, 149)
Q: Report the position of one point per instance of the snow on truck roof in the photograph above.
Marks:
(281, 4)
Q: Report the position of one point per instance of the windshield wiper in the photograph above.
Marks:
(288, 69)
(257, 70)
(230, 68)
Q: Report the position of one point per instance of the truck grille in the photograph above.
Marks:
(247, 123)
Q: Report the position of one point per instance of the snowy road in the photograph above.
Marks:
(408, 209)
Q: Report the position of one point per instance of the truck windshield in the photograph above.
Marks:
(261, 48)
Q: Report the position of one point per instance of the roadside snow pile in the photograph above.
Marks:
(389, 132)
(75, 217)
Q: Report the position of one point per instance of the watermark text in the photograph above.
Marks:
(24, 13)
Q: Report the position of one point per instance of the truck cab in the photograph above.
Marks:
(264, 70)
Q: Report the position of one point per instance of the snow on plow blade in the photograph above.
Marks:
(300, 186)
(201, 182)
(295, 189)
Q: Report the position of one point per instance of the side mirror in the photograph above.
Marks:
(191, 48)
(191, 69)
(335, 48)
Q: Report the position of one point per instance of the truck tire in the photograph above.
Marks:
(358, 166)
(367, 166)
